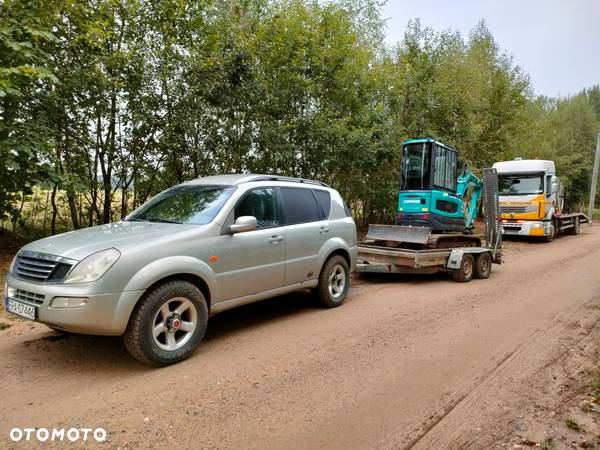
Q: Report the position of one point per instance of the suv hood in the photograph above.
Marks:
(81, 243)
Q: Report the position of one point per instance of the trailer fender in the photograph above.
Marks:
(455, 259)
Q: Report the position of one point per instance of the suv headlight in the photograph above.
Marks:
(93, 267)
(12, 264)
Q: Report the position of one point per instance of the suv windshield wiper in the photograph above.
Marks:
(158, 219)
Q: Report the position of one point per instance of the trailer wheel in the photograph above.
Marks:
(467, 268)
(483, 266)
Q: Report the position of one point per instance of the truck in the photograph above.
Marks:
(531, 199)
(438, 202)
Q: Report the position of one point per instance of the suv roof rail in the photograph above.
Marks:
(291, 179)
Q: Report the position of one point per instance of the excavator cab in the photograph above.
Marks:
(430, 194)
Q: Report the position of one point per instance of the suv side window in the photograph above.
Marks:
(324, 201)
(261, 203)
(299, 205)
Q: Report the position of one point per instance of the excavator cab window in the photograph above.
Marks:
(428, 165)
(445, 168)
(416, 167)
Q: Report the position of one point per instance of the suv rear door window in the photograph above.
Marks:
(262, 204)
(299, 205)
(324, 201)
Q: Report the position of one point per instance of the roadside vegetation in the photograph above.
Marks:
(105, 103)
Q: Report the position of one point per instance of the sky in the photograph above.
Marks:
(556, 41)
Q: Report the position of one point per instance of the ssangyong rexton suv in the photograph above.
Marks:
(192, 251)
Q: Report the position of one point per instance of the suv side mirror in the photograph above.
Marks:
(243, 224)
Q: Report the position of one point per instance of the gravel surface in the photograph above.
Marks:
(408, 361)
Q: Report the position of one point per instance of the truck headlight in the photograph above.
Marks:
(93, 267)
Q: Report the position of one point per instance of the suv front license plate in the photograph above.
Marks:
(21, 309)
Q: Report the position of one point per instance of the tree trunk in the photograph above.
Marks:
(73, 208)
(18, 214)
(46, 211)
(54, 210)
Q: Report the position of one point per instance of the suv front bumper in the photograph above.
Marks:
(102, 314)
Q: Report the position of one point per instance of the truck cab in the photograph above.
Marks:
(529, 197)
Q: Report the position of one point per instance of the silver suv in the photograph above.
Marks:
(194, 250)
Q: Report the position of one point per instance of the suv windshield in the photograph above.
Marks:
(520, 184)
(192, 204)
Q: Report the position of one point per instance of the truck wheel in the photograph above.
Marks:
(552, 233)
(483, 266)
(467, 267)
(576, 226)
(334, 282)
(167, 324)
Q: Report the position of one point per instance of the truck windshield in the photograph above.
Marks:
(520, 184)
(415, 167)
(191, 204)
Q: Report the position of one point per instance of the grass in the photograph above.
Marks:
(572, 425)
(595, 385)
(4, 326)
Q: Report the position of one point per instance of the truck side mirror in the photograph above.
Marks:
(555, 185)
(243, 224)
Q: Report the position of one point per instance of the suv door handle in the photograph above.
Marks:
(275, 239)
(323, 229)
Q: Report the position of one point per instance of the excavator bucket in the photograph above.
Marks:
(399, 233)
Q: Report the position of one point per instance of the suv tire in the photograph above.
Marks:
(334, 282)
(167, 324)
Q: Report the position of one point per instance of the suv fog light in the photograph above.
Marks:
(68, 302)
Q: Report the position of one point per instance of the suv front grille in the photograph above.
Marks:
(40, 268)
(29, 297)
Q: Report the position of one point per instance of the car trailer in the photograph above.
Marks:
(464, 263)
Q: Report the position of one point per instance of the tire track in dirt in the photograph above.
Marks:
(542, 342)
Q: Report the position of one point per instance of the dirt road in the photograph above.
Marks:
(419, 362)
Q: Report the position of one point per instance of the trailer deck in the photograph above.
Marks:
(378, 259)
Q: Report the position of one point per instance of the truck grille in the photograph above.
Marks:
(40, 268)
(29, 297)
(513, 209)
